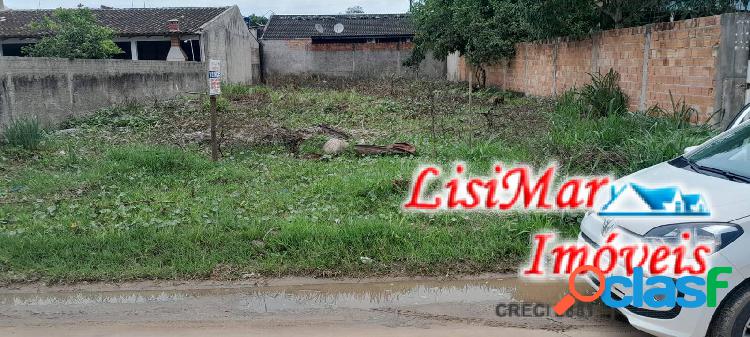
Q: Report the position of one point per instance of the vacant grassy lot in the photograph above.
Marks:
(129, 193)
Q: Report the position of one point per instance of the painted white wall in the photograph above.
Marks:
(453, 61)
(227, 38)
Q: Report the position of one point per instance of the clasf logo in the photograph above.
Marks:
(655, 292)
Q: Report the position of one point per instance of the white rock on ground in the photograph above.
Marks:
(335, 146)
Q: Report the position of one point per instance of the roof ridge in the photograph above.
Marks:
(360, 14)
(124, 21)
(291, 26)
(111, 9)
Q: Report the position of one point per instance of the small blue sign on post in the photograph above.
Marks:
(214, 77)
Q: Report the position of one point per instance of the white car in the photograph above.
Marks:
(720, 170)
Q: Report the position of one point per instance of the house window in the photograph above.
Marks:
(158, 50)
(127, 53)
(192, 49)
(153, 50)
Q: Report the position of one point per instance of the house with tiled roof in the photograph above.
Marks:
(350, 45)
(170, 34)
(340, 27)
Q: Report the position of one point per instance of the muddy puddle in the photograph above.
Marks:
(269, 299)
(380, 308)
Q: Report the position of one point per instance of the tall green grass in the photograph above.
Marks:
(621, 142)
(155, 159)
(24, 132)
(124, 207)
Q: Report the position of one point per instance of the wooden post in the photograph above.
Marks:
(471, 94)
(214, 90)
(214, 141)
(471, 84)
(471, 76)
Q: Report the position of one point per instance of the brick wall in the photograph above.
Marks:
(622, 50)
(573, 64)
(681, 58)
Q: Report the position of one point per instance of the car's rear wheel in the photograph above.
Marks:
(733, 317)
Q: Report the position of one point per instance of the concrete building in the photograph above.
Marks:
(359, 45)
(171, 34)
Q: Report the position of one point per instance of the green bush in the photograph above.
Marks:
(24, 132)
(603, 96)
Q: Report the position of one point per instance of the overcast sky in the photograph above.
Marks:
(247, 6)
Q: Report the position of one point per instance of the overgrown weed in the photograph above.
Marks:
(26, 133)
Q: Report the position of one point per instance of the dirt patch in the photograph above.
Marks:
(518, 123)
(276, 115)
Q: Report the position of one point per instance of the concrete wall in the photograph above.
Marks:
(227, 38)
(255, 61)
(55, 89)
(362, 60)
(732, 64)
(701, 60)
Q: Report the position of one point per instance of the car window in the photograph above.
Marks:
(729, 152)
(742, 117)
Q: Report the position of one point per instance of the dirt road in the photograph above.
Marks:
(295, 307)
